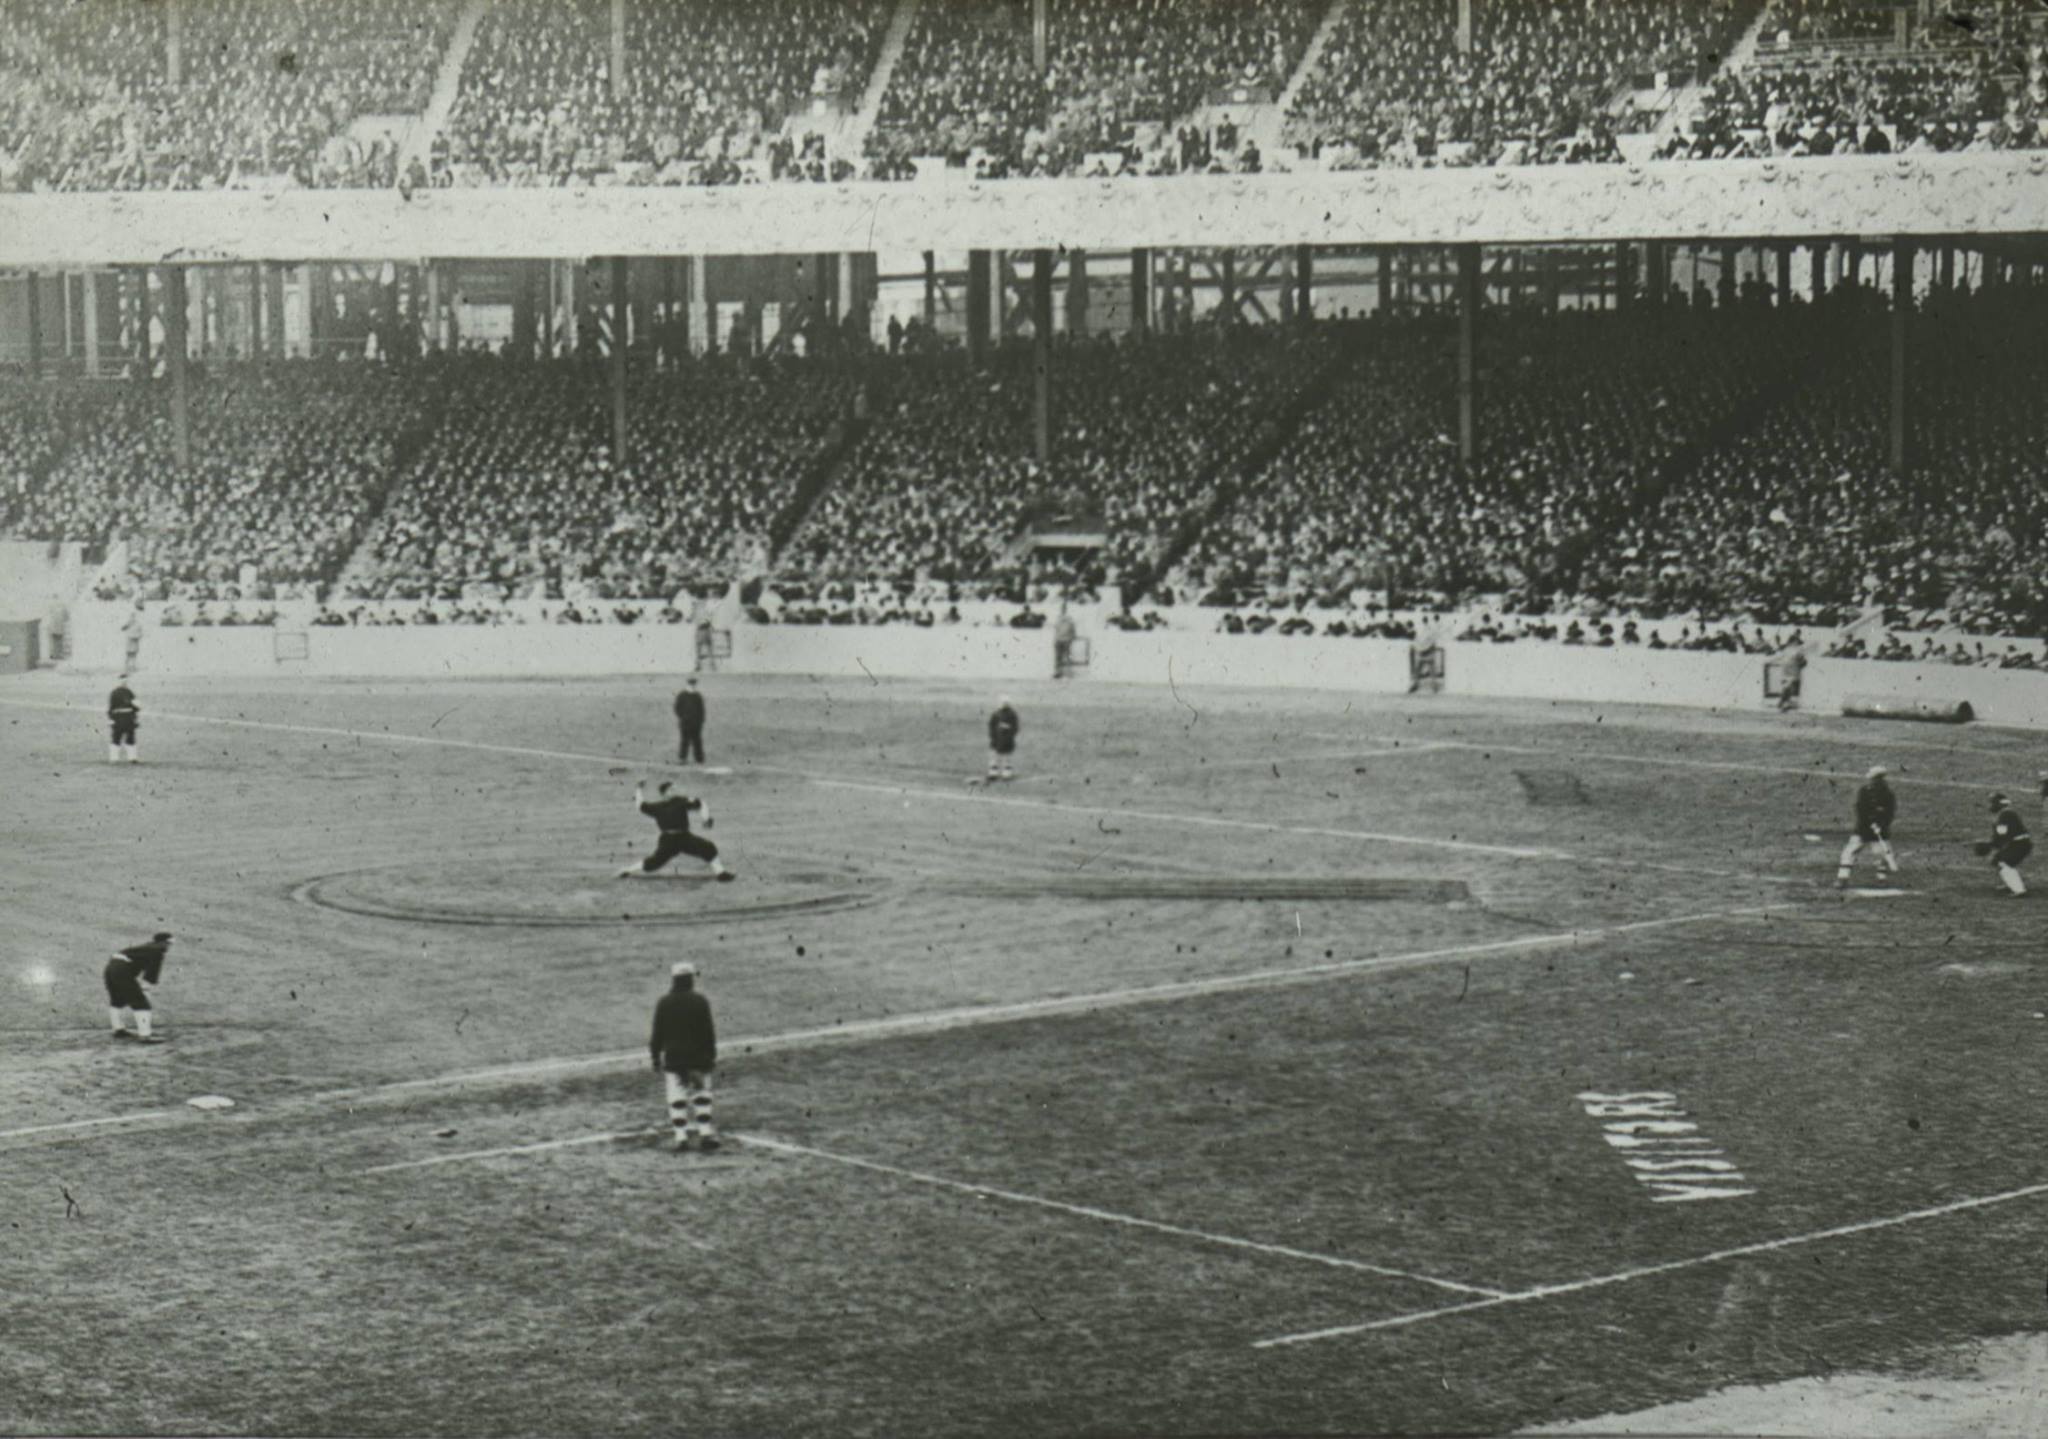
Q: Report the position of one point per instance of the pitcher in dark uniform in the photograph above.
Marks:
(672, 812)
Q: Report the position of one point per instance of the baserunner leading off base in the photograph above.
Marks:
(672, 812)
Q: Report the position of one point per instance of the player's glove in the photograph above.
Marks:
(1982, 846)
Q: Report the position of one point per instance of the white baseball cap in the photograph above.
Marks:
(681, 968)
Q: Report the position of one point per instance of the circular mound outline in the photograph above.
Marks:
(1250, 889)
(312, 892)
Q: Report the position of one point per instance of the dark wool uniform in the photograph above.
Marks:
(1002, 731)
(1876, 807)
(124, 714)
(1002, 741)
(684, 1048)
(672, 813)
(690, 721)
(2010, 841)
(684, 1040)
(127, 971)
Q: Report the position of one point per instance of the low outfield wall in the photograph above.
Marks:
(984, 652)
(1280, 662)
(1625, 676)
(2018, 698)
(496, 651)
(467, 651)
(992, 653)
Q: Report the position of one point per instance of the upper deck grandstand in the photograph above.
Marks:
(117, 95)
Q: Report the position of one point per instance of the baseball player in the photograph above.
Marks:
(684, 1049)
(125, 975)
(123, 714)
(1002, 740)
(672, 812)
(2009, 845)
(1876, 806)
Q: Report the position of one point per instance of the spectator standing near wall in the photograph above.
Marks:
(690, 723)
(131, 636)
(684, 1050)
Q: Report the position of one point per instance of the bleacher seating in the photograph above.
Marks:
(287, 460)
(1539, 84)
(1827, 82)
(268, 91)
(707, 82)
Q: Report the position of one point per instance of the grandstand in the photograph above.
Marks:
(1460, 494)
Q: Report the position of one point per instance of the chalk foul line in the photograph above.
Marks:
(977, 1191)
(1649, 1271)
(939, 1021)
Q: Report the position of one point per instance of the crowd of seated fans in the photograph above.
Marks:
(273, 92)
(286, 460)
(1121, 78)
(1142, 429)
(1582, 418)
(1805, 504)
(1537, 86)
(1703, 466)
(707, 84)
(516, 493)
(266, 94)
(1970, 82)
(1713, 475)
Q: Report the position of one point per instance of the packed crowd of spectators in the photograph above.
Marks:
(1829, 84)
(1143, 428)
(1804, 506)
(1121, 77)
(267, 91)
(286, 460)
(707, 84)
(1582, 417)
(1710, 473)
(1539, 84)
(1698, 465)
(516, 494)
(273, 92)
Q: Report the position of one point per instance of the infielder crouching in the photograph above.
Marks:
(125, 975)
(684, 1048)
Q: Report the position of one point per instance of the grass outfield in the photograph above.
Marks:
(1224, 1074)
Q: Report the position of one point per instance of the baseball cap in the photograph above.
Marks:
(162, 936)
(1876, 771)
(682, 968)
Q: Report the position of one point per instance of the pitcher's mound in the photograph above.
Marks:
(549, 894)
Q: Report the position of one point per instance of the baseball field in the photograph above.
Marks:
(1252, 1063)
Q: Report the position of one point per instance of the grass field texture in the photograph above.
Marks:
(1226, 1073)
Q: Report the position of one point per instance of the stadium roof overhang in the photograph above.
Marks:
(1994, 193)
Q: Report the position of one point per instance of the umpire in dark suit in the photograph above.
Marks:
(690, 722)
